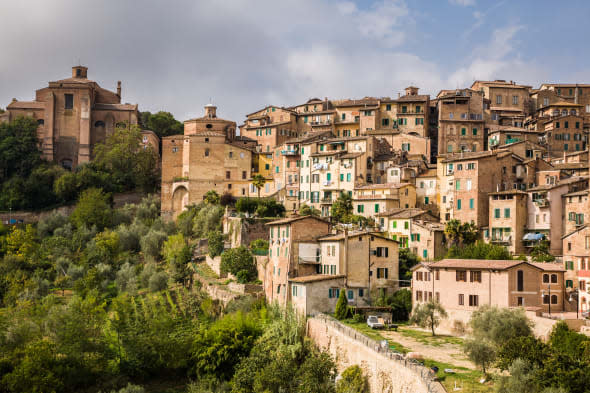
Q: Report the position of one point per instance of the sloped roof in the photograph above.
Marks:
(315, 278)
(289, 220)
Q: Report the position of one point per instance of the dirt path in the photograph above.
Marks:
(437, 348)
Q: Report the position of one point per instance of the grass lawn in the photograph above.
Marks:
(374, 334)
(464, 378)
(428, 339)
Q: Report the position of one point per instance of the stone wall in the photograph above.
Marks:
(215, 265)
(388, 372)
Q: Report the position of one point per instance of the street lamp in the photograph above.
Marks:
(548, 299)
(576, 293)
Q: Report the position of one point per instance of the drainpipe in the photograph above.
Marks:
(346, 255)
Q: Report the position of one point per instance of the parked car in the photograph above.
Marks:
(373, 322)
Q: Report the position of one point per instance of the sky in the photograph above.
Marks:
(241, 55)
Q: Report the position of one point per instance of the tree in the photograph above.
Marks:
(528, 348)
(461, 234)
(428, 315)
(480, 352)
(407, 260)
(19, 148)
(478, 250)
(93, 209)
(498, 325)
(215, 243)
(353, 381)
(124, 157)
(400, 303)
(341, 207)
(162, 123)
(177, 254)
(211, 197)
(522, 379)
(227, 199)
(540, 252)
(270, 208)
(258, 181)
(247, 205)
(238, 260)
(342, 310)
(305, 210)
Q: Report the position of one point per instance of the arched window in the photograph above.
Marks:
(99, 123)
(564, 112)
(553, 299)
(545, 299)
(573, 112)
(40, 122)
(546, 278)
(554, 279)
(206, 152)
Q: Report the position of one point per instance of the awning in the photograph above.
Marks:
(533, 236)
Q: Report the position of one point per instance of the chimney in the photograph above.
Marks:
(398, 94)
(119, 88)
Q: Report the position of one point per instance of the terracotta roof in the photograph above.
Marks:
(315, 278)
(508, 192)
(115, 107)
(26, 105)
(350, 155)
(476, 264)
(289, 220)
(327, 153)
(549, 266)
(341, 236)
(410, 98)
(382, 185)
(575, 231)
(362, 102)
(476, 155)
(403, 213)
(433, 226)
(577, 193)
(571, 165)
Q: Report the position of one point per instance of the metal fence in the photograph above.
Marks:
(426, 374)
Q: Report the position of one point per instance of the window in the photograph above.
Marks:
(458, 204)
(69, 101)
(498, 99)
(554, 279)
(545, 299)
(227, 174)
(361, 292)
(99, 123)
(471, 203)
(475, 131)
(382, 272)
(496, 213)
(514, 100)
(553, 299)
(350, 294)
(382, 252)
(520, 281)
(506, 213)
(376, 208)
(425, 255)
(473, 300)
(461, 299)
(475, 276)
(206, 152)
(463, 131)
(360, 208)
(545, 278)
(461, 275)
(520, 301)
(426, 200)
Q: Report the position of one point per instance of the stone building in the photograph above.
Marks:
(207, 157)
(370, 200)
(461, 121)
(73, 115)
(466, 284)
(509, 103)
(507, 220)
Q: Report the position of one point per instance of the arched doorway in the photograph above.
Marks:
(179, 200)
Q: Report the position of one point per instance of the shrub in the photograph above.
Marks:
(239, 260)
(152, 242)
(130, 388)
(353, 381)
(270, 208)
(342, 310)
(247, 205)
(93, 209)
(358, 318)
(49, 224)
(215, 243)
(158, 282)
(428, 315)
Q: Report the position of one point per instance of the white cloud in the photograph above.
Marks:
(464, 3)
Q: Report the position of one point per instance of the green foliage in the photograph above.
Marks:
(407, 260)
(177, 253)
(259, 244)
(215, 243)
(400, 303)
(341, 207)
(93, 209)
(342, 311)
(211, 197)
(207, 218)
(258, 181)
(239, 261)
(478, 250)
(540, 252)
(270, 208)
(227, 199)
(19, 148)
(161, 123)
(353, 381)
(528, 348)
(461, 233)
(305, 210)
(130, 388)
(500, 324)
(480, 352)
(152, 242)
(217, 350)
(247, 205)
(428, 315)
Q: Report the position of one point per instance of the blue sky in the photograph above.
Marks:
(244, 54)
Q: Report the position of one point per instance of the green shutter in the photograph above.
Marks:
(463, 131)
(458, 204)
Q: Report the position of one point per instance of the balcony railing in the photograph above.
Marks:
(541, 202)
(289, 152)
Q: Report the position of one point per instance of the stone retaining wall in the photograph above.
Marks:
(387, 371)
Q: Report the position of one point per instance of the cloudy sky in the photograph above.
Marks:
(177, 55)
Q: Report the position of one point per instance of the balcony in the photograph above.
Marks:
(310, 260)
(541, 202)
(326, 200)
(502, 240)
(321, 123)
(289, 152)
(512, 140)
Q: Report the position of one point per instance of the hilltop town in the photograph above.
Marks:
(473, 200)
